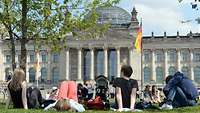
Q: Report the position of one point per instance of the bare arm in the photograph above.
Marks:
(133, 98)
(8, 99)
(119, 98)
(24, 98)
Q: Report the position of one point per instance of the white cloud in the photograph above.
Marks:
(163, 15)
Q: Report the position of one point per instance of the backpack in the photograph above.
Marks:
(96, 103)
(34, 97)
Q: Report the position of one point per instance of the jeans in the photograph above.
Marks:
(177, 98)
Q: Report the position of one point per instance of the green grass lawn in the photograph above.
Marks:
(179, 110)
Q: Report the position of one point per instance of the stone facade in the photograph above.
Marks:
(82, 59)
(164, 55)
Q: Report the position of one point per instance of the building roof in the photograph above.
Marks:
(114, 15)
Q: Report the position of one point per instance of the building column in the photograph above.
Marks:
(178, 60)
(2, 69)
(67, 64)
(118, 62)
(131, 57)
(79, 64)
(153, 73)
(191, 64)
(92, 64)
(49, 66)
(166, 64)
(27, 73)
(106, 62)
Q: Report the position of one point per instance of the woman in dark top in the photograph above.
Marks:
(17, 90)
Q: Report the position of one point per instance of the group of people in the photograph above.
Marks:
(179, 91)
(151, 94)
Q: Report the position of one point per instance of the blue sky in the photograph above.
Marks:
(164, 15)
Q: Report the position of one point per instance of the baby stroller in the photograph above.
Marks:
(101, 100)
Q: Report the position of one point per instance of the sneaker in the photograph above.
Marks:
(167, 107)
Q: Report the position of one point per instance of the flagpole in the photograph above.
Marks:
(142, 75)
(37, 67)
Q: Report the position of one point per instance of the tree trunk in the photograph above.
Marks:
(12, 42)
(24, 35)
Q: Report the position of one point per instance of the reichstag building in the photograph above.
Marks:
(164, 55)
(83, 59)
(86, 59)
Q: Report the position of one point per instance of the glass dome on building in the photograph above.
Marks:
(114, 15)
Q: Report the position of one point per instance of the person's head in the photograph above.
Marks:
(168, 78)
(154, 89)
(147, 88)
(17, 79)
(126, 70)
(62, 105)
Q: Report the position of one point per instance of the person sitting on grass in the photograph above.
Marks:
(125, 89)
(17, 90)
(147, 94)
(155, 94)
(179, 92)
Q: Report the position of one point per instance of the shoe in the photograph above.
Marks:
(166, 106)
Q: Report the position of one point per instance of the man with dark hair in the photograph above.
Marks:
(125, 89)
(179, 92)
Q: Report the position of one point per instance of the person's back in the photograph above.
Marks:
(34, 97)
(185, 84)
(179, 91)
(16, 97)
(126, 89)
(17, 90)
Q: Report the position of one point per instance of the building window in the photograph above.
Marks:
(172, 56)
(185, 71)
(185, 55)
(44, 58)
(32, 58)
(31, 75)
(159, 75)
(147, 74)
(172, 70)
(8, 59)
(197, 74)
(8, 74)
(112, 64)
(197, 56)
(159, 56)
(147, 56)
(55, 76)
(55, 57)
(87, 63)
(43, 75)
(100, 63)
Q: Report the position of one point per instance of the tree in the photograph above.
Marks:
(50, 21)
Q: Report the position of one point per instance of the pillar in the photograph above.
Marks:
(67, 64)
(79, 64)
(118, 62)
(178, 60)
(166, 64)
(191, 65)
(106, 62)
(92, 64)
(153, 72)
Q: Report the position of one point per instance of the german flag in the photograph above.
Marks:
(138, 42)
